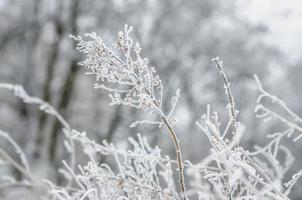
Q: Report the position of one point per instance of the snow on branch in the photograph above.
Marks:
(26, 98)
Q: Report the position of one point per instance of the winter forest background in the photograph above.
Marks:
(179, 38)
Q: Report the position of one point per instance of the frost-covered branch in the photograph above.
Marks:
(26, 98)
(18, 150)
(243, 174)
(266, 113)
(227, 86)
(19, 92)
(129, 81)
(142, 173)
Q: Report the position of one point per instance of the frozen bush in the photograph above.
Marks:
(141, 172)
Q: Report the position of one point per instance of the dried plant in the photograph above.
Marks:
(141, 172)
(131, 82)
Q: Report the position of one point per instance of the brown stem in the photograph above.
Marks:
(178, 157)
(176, 142)
(172, 134)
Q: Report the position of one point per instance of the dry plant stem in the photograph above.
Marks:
(227, 84)
(171, 131)
(262, 173)
(44, 107)
(179, 158)
(173, 136)
(218, 63)
(178, 152)
(16, 165)
(137, 80)
(276, 99)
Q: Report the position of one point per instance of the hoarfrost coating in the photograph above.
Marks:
(141, 171)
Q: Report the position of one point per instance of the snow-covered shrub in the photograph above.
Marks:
(229, 172)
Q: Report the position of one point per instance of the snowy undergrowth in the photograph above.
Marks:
(228, 172)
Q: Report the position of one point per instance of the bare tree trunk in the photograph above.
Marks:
(68, 85)
(29, 114)
(52, 59)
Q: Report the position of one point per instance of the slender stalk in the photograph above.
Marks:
(23, 170)
(262, 173)
(227, 84)
(178, 157)
(174, 139)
